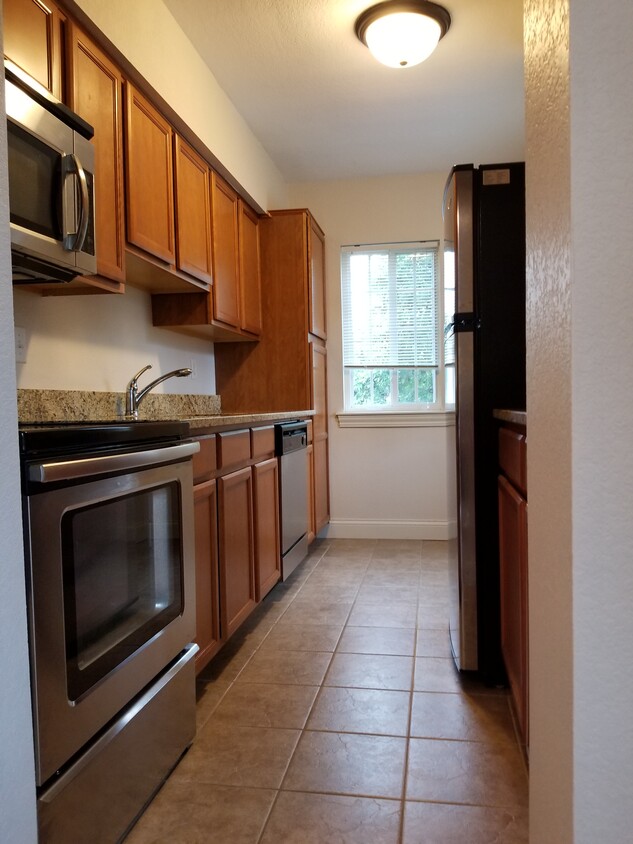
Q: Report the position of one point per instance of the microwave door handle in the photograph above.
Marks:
(75, 240)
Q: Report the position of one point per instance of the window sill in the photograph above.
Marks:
(396, 419)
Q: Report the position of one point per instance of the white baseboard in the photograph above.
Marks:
(386, 529)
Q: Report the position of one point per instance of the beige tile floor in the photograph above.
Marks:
(336, 716)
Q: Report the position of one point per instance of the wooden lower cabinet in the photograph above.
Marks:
(237, 540)
(208, 636)
(266, 510)
(513, 573)
(237, 548)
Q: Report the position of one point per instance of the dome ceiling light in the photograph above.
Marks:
(402, 34)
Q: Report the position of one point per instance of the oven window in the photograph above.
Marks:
(123, 563)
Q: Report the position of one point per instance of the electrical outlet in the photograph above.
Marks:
(20, 345)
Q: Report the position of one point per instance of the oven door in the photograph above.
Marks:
(111, 591)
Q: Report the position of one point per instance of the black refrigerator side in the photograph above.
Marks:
(499, 373)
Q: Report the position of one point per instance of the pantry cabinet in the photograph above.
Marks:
(316, 258)
(513, 566)
(33, 40)
(95, 89)
(286, 370)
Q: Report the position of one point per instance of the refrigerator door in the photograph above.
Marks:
(459, 246)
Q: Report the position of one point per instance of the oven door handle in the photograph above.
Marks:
(68, 470)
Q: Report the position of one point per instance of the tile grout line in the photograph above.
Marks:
(316, 697)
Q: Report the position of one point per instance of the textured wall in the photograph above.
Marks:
(549, 417)
(579, 119)
(601, 61)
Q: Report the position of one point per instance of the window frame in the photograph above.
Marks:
(398, 414)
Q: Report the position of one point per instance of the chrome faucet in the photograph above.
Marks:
(133, 397)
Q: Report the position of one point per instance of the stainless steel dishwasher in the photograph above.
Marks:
(291, 439)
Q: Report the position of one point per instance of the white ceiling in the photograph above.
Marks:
(323, 108)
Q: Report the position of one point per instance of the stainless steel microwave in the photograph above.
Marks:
(51, 185)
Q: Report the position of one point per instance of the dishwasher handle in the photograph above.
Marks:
(290, 436)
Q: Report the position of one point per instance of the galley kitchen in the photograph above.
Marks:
(265, 488)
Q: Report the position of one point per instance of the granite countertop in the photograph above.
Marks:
(202, 412)
(200, 424)
(518, 417)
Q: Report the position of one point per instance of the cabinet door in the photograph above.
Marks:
(149, 178)
(95, 92)
(316, 258)
(237, 557)
(193, 213)
(514, 606)
(250, 282)
(266, 501)
(225, 255)
(207, 584)
(318, 360)
(311, 516)
(33, 40)
(321, 485)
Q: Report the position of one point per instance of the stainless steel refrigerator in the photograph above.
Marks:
(484, 255)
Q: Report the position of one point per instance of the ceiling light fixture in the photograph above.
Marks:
(402, 34)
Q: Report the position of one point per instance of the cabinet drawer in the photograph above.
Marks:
(234, 448)
(204, 462)
(263, 442)
(513, 457)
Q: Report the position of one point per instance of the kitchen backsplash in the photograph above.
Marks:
(93, 406)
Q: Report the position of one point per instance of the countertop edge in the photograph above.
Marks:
(517, 417)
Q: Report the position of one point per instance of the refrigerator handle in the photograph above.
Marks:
(465, 322)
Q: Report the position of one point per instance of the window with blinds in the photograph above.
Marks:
(392, 342)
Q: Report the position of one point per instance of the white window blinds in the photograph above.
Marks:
(389, 306)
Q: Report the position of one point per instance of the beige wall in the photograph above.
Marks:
(147, 34)
(384, 482)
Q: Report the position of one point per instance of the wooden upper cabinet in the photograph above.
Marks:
(316, 259)
(95, 88)
(149, 178)
(32, 33)
(249, 275)
(224, 212)
(193, 213)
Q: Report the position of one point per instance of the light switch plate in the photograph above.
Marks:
(20, 344)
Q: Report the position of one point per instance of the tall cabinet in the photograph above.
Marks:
(286, 370)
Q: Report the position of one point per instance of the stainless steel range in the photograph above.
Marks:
(108, 518)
